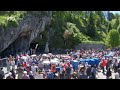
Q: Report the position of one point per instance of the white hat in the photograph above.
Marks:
(25, 72)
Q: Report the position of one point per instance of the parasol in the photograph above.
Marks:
(66, 57)
(46, 62)
(44, 55)
(24, 58)
(33, 55)
(54, 61)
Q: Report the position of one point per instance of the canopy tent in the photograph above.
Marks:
(93, 61)
(111, 54)
(118, 58)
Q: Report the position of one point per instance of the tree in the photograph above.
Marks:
(72, 35)
(92, 25)
(113, 38)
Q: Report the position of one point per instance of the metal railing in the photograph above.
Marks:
(3, 62)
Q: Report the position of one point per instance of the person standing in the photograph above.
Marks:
(13, 73)
(109, 73)
(25, 76)
(8, 65)
(33, 68)
(20, 72)
(103, 64)
(68, 70)
(88, 71)
(117, 76)
(31, 75)
(93, 73)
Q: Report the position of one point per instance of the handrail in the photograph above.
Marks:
(3, 58)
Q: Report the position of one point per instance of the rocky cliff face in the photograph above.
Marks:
(19, 39)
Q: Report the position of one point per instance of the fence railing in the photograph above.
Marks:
(3, 62)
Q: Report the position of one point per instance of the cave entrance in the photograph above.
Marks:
(39, 48)
(33, 45)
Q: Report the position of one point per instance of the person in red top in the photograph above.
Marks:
(103, 64)
(53, 68)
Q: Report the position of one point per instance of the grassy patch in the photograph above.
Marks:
(93, 42)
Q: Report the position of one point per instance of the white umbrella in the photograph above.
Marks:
(24, 58)
(46, 62)
(44, 55)
(33, 55)
(50, 54)
(54, 61)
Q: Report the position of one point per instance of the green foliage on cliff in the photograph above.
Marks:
(11, 18)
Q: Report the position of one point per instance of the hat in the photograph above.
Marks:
(25, 72)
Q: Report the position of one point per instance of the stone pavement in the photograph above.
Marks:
(102, 76)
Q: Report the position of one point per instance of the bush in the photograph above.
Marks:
(113, 38)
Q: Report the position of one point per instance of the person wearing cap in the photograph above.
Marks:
(25, 76)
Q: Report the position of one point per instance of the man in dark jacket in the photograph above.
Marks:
(68, 70)
(88, 71)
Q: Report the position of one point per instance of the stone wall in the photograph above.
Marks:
(90, 46)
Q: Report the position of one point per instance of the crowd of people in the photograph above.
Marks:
(50, 66)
